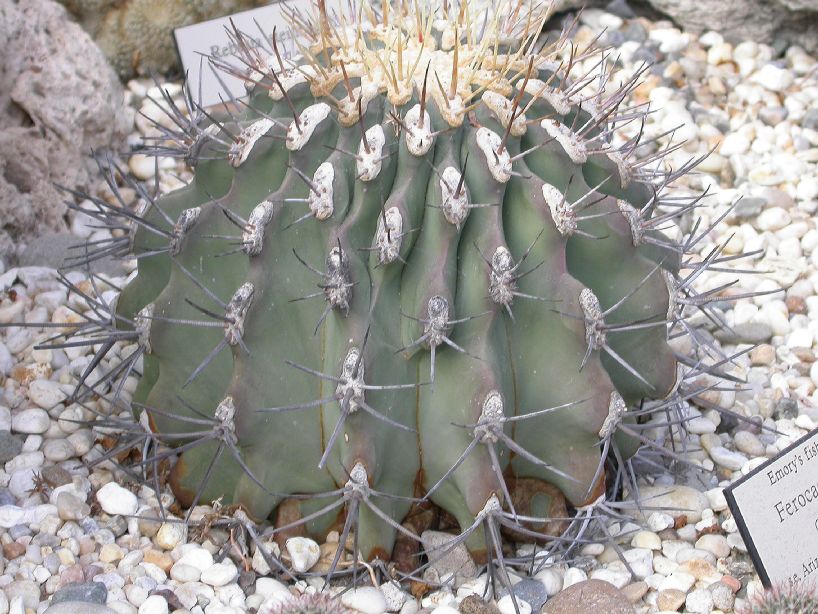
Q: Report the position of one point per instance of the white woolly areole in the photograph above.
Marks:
(539, 89)
(288, 78)
(491, 508)
(338, 288)
(634, 220)
(501, 278)
(491, 417)
(253, 235)
(499, 163)
(225, 412)
(419, 137)
(565, 219)
(452, 110)
(455, 206)
(308, 120)
(186, 220)
(502, 107)
(236, 311)
(594, 333)
(388, 236)
(247, 139)
(351, 386)
(616, 409)
(566, 137)
(142, 323)
(437, 320)
(358, 479)
(321, 203)
(348, 108)
(369, 164)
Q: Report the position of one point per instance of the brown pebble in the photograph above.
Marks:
(804, 355)
(13, 550)
(634, 592)
(162, 560)
(474, 605)
(595, 596)
(670, 599)
(25, 374)
(73, 574)
(796, 304)
(732, 582)
(763, 355)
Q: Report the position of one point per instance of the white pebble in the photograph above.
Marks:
(367, 599)
(573, 575)
(647, 539)
(143, 167)
(616, 577)
(11, 515)
(220, 574)
(551, 579)
(773, 78)
(182, 572)
(773, 218)
(304, 553)
(170, 534)
(506, 606)
(33, 420)
(727, 458)
(712, 542)
(679, 580)
(199, 558)
(45, 393)
(113, 499)
(699, 601)
(58, 450)
(155, 604)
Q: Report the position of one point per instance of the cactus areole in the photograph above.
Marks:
(419, 262)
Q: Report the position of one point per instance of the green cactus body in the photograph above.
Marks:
(419, 268)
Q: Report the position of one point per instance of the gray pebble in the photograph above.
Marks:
(785, 408)
(749, 207)
(746, 332)
(88, 592)
(10, 446)
(532, 592)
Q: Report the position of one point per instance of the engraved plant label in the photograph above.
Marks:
(776, 509)
(197, 42)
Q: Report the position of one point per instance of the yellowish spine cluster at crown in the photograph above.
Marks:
(483, 48)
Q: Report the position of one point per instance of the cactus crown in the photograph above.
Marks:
(418, 263)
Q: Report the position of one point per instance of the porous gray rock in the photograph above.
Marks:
(59, 99)
(764, 21)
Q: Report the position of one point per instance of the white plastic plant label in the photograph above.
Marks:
(776, 509)
(198, 43)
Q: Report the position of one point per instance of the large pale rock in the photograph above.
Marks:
(763, 21)
(58, 100)
(589, 597)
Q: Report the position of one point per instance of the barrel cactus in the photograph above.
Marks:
(419, 263)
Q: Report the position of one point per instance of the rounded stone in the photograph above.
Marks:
(589, 596)
(30, 421)
(367, 600)
(114, 499)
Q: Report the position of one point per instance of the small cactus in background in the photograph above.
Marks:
(781, 600)
(319, 603)
(137, 35)
(421, 263)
